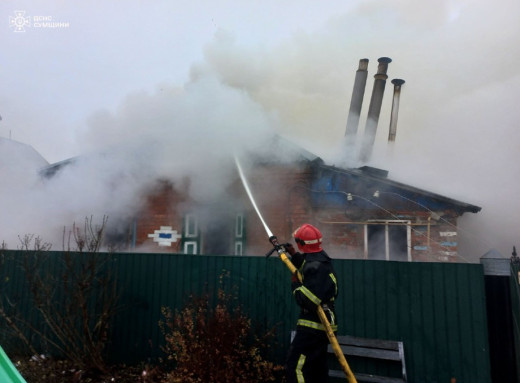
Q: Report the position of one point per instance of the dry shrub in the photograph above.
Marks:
(72, 297)
(216, 345)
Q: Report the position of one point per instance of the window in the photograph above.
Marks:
(239, 234)
(238, 248)
(388, 240)
(191, 226)
(221, 234)
(190, 235)
(190, 247)
(239, 226)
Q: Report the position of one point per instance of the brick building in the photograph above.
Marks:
(361, 213)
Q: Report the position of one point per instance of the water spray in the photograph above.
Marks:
(250, 195)
(285, 259)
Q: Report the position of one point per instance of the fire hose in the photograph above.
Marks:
(285, 259)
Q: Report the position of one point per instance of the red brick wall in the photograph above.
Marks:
(162, 208)
(436, 240)
(282, 194)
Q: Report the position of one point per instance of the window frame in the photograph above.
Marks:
(191, 234)
(240, 237)
(186, 246)
(188, 218)
(387, 223)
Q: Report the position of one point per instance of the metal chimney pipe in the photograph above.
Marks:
(356, 102)
(375, 108)
(395, 108)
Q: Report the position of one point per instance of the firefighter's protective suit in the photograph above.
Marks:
(307, 358)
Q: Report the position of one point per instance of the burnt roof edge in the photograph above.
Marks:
(465, 207)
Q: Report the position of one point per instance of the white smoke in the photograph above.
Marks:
(179, 132)
(173, 134)
(456, 132)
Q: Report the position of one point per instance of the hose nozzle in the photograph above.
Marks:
(276, 245)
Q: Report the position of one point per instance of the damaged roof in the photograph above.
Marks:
(363, 182)
(372, 181)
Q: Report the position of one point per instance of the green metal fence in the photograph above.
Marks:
(515, 303)
(437, 309)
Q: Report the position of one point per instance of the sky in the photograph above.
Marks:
(81, 77)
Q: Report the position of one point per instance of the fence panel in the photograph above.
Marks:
(515, 303)
(437, 310)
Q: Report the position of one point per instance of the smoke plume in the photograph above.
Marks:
(176, 133)
(456, 134)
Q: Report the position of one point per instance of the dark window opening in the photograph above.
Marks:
(387, 242)
(217, 239)
(398, 242)
(376, 242)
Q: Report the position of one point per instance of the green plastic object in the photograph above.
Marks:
(8, 372)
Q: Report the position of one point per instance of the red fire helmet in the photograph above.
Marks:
(308, 238)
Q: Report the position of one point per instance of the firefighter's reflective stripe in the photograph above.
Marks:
(316, 325)
(299, 369)
(331, 314)
(305, 291)
(335, 282)
(301, 268)
(313, 241)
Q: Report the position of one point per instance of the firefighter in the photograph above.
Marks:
(307, 358)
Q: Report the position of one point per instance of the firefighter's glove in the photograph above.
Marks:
(289, 249)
